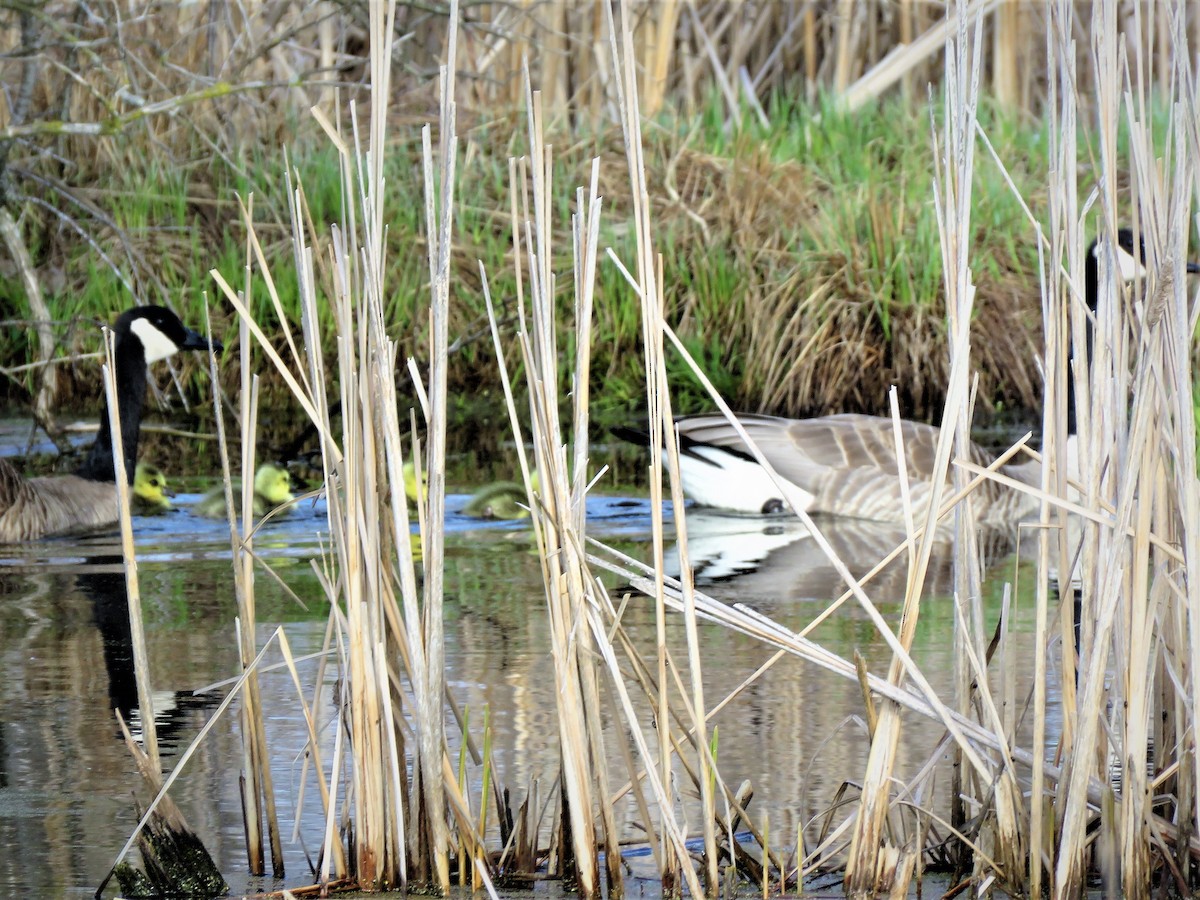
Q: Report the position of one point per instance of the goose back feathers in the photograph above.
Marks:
(39, 507)
(844, 465)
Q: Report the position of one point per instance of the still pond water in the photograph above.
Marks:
(67, 782)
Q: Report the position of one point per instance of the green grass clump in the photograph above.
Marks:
(801, 261)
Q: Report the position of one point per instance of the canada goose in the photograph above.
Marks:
(42, 507)
(846, 465)
(272, 488)
(150, 495)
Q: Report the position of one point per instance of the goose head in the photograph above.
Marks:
(157, 333)
(1130, 259)
(142, 335)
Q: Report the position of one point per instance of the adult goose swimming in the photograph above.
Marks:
(846, 465)
(32, 508)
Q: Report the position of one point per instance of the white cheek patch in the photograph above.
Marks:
(156, 344)
(1129, 266)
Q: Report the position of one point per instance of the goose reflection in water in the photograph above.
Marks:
(776, 558)
(103, 582)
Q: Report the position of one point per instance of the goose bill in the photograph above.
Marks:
(193, 340)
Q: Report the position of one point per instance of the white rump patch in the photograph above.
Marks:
(156, 344)
(728, 481)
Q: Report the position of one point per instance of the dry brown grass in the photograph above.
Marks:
(208, 91)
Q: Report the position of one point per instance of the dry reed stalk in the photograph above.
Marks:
(1055, 343)
(559, 508)
(312, 715)
(626, 85)
(174, 856)
(1099, 597)
(649, 287)
(552, 21)
(399, 826)
(906, 15)
(657, 63)
(1006, 44)
(846, 48)
(141, 660)
(431, 687)
(810, 51)
(865, 869)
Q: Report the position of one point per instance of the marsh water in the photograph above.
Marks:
(67, 783)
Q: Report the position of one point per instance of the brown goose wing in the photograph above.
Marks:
(42, 507)
(866, 442)
(848, 462)
(807, 447)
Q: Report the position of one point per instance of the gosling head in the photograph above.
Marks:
(150, 488)
(411, 491)
(273, 484)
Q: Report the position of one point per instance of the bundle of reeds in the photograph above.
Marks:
(1028, 796)
(385, 626)
(1130, 686)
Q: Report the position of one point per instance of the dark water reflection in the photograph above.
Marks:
(66, 779)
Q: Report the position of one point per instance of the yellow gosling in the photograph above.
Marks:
(501, 500)
(272, 489)
(410, 483)
(150, 496)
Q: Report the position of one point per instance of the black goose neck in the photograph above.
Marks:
(1091, 297)
(130, 362)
